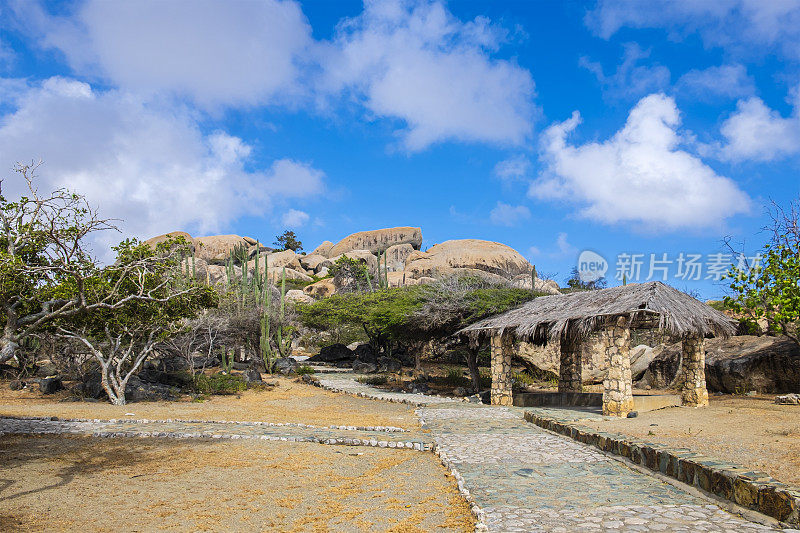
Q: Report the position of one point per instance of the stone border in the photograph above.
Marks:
(750, 489)
(414, 403)
(477, 512)
(383, 429)
(341, 441)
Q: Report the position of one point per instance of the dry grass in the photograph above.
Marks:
(50, 483)
(753, 432)
(289, 401)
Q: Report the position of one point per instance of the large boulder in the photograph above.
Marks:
(333, 353)
(215, 249)
(298, 296)
(155, 241)
(286, 366)
(50, 385)
(396, 257)
(378, 240)
(321, 289)
(285, 258)
(547, 286)
(737, 364)
(313, 262)
(365, 256)
(276, 275)
(141, 391)
(477, 255)
(323, 249)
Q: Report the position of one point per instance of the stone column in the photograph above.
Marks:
(569, 371)
(501, 350)
(693, 386)
(617, 387)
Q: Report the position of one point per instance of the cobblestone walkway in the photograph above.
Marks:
(220, 430)
(524, 478)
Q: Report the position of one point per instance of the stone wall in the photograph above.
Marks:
(501, 351)
(617, 387)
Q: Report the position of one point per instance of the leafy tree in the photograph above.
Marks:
(120, 337)
(771, 289)
(574, 281)
(350, 275)
(415, 314)
(288, 241)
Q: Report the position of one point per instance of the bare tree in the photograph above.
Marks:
(47, 273)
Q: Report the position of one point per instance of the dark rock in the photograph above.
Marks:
(204, 361)
(419, 388)
(460, 392)
(141, 391)
(236, 365)
(365, 353)
(389, 364)
(286, 365)
(16, 385)
(174, 364)
(332, 354)
(251, 375)
(45, 369)
(92, 386)
(633, 414)
(172, 379)
(363, 367)
(475, 398)
(307, 378)
(744, 363)
(50, 385)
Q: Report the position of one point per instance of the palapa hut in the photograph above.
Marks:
(570, 318)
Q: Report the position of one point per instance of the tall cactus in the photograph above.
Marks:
(533, 277)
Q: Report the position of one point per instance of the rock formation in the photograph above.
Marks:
(378, 240)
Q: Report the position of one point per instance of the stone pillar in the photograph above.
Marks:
(501, 350)
(693, 386)
(569, 371)
(617, 387)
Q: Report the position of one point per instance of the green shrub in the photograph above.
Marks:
(305, 369)
(219, 383)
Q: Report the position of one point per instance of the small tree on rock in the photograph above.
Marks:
(288, 241)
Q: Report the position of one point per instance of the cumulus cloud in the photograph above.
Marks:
(736, 25)
(508, 215)
(514, 168)
(216, 53)
(630, 78)
(756, 132)
(729, 81)
(639, 175)
(417, 63)
(294, 218)
(146, 164)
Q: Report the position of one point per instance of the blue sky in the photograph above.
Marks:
(553, 127)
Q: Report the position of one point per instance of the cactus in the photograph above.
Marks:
(533, 277)
(624, 279)
(226, 362)
(284, 346)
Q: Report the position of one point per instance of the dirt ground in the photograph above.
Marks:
(751, 431)
(70, 483)
(289, 401)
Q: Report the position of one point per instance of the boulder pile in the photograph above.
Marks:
(399, 249)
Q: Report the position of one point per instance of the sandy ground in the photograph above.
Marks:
(52, 483)
(289, 401)
(751, 431)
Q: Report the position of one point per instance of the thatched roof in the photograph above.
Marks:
(575, 315)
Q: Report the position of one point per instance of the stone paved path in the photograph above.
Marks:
(345, 382)
(220, 430)
(527, 479)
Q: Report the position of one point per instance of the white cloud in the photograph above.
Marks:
(216, 53)
(630, 79)
(737, 25)
(514, 168)
(147, 164)
(639, 175)
(294, 218)
(754, 131)
(414, 61)
(564, 247)
(509, 215)
(730, 81)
